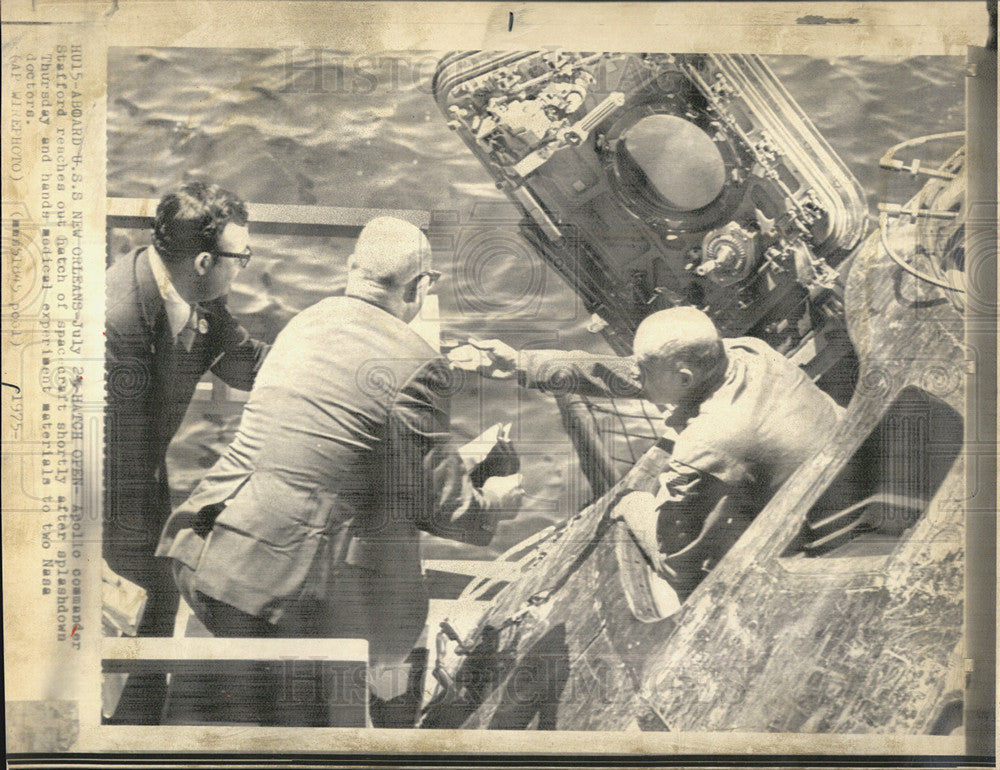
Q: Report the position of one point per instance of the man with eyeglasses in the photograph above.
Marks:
(166, 325)
(309, 524)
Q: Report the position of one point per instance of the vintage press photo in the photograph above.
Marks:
(431, 390)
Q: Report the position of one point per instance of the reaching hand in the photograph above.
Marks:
(509, 492)
(638, 511)
(490, 358)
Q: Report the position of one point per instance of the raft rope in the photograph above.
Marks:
(883, 229)
(479, 588)
(889, 160)
(945, 173)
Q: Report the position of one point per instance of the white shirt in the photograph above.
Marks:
(178, 309)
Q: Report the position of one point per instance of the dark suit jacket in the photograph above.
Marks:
(342, 456)
(150, 381)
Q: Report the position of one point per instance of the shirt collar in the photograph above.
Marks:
(178, 309)
(370, 292)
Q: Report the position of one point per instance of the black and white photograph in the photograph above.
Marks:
(605, 393)
(628, 255)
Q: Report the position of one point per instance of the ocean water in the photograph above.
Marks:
(333, 129)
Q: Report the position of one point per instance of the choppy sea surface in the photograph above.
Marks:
(332, 129)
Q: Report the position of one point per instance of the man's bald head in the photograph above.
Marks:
(390, 252)
(679, 339)
(390, 267)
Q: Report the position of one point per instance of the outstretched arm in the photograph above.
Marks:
(551, 371)
(428, 477)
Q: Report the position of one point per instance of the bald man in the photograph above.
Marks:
(309, 524)
(741, 418)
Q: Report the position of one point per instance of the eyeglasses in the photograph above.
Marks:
(434, 275)
(244, 258)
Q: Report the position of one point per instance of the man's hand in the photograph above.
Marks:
(638, 511)
(508, 493)
(490, 358)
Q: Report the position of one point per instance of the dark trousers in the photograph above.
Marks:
(145, 692)
(237, 691)
(267, 685)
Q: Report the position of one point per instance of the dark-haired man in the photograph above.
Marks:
(166, 324)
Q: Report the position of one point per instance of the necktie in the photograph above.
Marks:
(194, 325)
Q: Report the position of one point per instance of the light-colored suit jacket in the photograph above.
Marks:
(343, 455)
